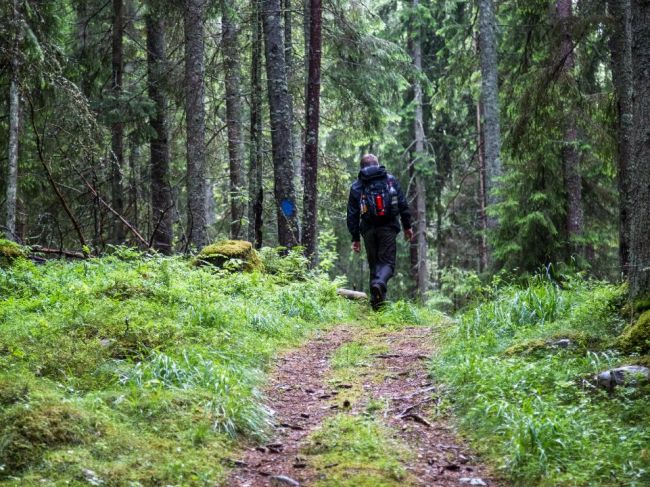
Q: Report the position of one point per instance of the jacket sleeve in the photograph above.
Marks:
(354, 214)
(403, 206)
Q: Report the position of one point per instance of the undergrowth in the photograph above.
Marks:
(136, 370)
(532, 406)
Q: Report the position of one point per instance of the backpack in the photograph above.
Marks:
(378, 200)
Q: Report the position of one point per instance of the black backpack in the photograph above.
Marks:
(379, 202)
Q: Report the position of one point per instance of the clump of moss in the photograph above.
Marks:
(236, 255)
(26, 433)
(12, 390)
(636, 337)
(10, 251)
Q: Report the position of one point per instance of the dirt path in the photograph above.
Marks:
(304, 391)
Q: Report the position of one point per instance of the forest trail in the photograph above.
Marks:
(356, 386)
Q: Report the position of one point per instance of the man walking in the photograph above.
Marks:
(375, 202)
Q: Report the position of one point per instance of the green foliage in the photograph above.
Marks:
(142, 369)
(531, 407)
(287, 265)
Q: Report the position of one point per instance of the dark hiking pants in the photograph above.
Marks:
(381, 247)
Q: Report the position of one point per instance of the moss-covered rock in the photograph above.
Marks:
(576, 340)
(10, 251)
(235, 255)
(636, 337)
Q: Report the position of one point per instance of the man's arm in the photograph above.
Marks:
(353, 215)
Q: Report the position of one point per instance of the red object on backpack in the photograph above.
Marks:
(379, 204)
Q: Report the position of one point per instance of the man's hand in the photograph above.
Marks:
(408, 235)
(356, 246)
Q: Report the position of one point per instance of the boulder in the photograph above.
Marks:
(233, 255)
(627, 374)
(636, 337)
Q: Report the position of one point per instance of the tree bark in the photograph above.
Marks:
(14, 127)
(280, 116)
(255, 191)
(312, 111)
(490, 99)
(620, 44)
(233, 118)
(483, 220)
(639, 188)
(197, 195)
(161, 194)
(570, 154)
(419, 246)
(117, 127)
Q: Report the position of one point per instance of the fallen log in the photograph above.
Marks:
(350, 294)
(66, 253)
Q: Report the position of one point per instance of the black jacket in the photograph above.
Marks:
(356, 225)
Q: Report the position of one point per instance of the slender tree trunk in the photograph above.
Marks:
(621, 49)
(234, 118)
(117, 128)
(570, 154)
(312, 110)
(161, 195)
(483, 221)
(256, 192)
(639, 188)
(419, 245)
(284, 189)
(288, 56)
(14, 126)
(490, 99)
(197, 195)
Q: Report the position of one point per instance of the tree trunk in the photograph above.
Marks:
(490, 99)
(117, 127)
(621, 49)
(639, 188)
(197, 196)
(234, 119)
(288, 57)
(161, 194)
(570, 154)
(312, 111)
(419, 248)
(483, 221)
(256, 192)
(14, 110)
(284, 189)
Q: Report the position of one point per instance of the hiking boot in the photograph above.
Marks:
(376, 296)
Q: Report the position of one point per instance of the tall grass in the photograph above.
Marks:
(163, 359)
(532, 407)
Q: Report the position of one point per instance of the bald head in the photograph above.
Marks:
(369, 160)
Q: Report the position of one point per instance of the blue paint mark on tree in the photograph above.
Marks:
(288, 208)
